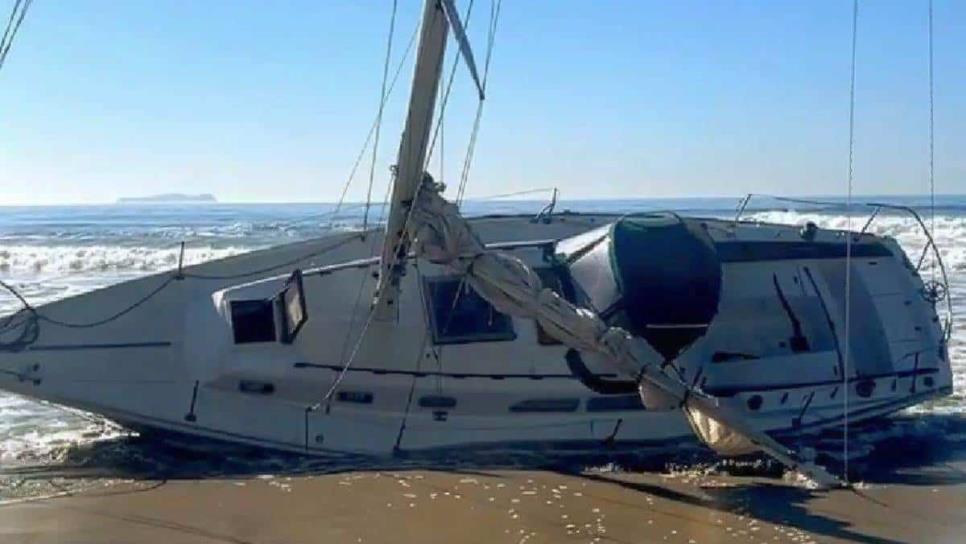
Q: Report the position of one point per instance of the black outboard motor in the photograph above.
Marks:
(658, 276)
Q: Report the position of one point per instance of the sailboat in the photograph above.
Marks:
(590, 330)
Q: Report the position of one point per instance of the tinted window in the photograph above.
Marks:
(253, 321)
(617, 403)
(546, 405)
(291, 302)
(458, 314)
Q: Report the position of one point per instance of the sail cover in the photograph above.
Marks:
(656, 275)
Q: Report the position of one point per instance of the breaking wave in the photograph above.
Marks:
(22, 260)
(949, 232)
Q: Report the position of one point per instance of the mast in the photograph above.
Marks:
(411, 160)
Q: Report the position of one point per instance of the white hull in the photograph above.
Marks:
(172, 363)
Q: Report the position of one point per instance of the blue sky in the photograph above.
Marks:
(259, 101)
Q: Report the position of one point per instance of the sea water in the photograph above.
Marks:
(51, 252)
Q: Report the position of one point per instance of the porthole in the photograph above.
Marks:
(865, 388)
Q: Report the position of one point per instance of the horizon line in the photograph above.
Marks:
(483, 198)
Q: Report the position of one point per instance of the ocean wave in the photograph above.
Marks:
(949, 232)
(87, 259)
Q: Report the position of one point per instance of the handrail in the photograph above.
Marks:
(546, 214)
(930, 244)
(877, 207)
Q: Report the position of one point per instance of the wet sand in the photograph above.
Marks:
(520, 506)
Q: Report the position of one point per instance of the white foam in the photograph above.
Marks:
(22, 260)
(949, 232)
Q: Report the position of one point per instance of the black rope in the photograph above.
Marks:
(449, 87)
(382, 107)
(848, 245)
(471, 146)
(932, 144)
(10, 21)
(75, 325)
(13, 25)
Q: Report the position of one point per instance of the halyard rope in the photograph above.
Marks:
(17, 15)
(932, 170)
(848, 249)
(471, 146)
(382, 107)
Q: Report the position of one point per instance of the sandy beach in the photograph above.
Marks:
(925, 504)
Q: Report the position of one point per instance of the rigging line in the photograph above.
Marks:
(352, 357)
(372, 128)
(355, 311)
(412, 391)
(369, 316)
(382, 108)
(516, 193)
(848, 249)
(11, 32)
(932, 170)
(812, 202)
(470, 148)
(312, 217)
(471, 145)
(495, 6)
(385, 198)
(6, 31)
(362, 284)
(436, 350)
(442, 141)
(449, 86)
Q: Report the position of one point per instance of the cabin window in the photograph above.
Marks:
(616, 403)
(253, 321)
(291, 305)
(437, 401)
(546, 405)
(256, 388)
(458, 314)
(357, 397)
(550, 278)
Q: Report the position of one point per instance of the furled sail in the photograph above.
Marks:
(441, 235)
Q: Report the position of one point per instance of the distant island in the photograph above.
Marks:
(169, 198)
